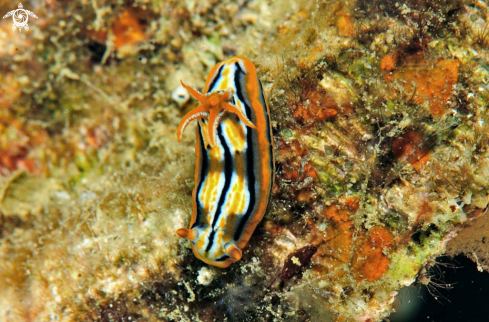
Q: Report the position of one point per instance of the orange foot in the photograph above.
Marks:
(213, 106)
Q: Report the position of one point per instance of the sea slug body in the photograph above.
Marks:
(234, 162)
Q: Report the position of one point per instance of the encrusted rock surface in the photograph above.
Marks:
(381, 129)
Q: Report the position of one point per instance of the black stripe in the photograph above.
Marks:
(204, 169)
(265, 111)
(228, 174)
(214, 81)
(239, 80)
(269, 132)
(222, 258)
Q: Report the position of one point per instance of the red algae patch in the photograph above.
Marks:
(18, 142)
(126, 28)
(344, 21)
(335, 244)
(296, 262)
(315, 106)
(295, 169)
(364, 252)
(412, 147)
(425, 82)
(370, 261)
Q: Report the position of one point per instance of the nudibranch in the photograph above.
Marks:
(234, 162)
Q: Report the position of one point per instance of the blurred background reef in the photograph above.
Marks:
(381, 129)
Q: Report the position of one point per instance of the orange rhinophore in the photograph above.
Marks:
(235, 164)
